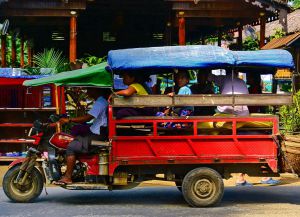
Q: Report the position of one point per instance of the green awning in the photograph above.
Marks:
(91, 76)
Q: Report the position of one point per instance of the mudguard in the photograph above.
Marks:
(21, 160)
(15, 162)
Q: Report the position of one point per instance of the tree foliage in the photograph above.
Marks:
(290, 115)
(92, 60)
(250, 43)
(295, 3)
(18, 51)
(279, 33)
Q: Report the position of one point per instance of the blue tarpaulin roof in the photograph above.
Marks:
(195, 56)
(275, 58)
(181, 57)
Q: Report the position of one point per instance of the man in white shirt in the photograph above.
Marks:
(97, 131)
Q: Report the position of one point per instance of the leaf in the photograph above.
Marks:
(50, 59)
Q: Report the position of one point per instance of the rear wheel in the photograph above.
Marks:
(203, 187)
(31, 189)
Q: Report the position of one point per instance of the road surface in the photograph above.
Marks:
(157, 201)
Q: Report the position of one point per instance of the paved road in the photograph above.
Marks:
(157, 201)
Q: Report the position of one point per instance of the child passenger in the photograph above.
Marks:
(182, 79)
(181, 88)
(136, 86)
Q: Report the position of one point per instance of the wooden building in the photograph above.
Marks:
(96, 26)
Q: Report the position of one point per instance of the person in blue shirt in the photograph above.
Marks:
(182, 79)
(97, 131)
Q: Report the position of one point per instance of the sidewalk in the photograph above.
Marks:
(230, 182)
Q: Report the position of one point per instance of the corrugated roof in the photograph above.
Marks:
(281, 42)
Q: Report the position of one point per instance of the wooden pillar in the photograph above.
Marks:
(22, 52)
(181, 29)
(73, 39)
(3, 51)
(262, 30)
(240, 37)
(13, 52)
(219, 37)
(29, 54)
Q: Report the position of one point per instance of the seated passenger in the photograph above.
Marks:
(255, 87)
(136, 86)
(181, 88)
(182, 79)
(231, 84)
(203, 86)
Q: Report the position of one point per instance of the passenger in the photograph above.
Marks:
(97, 131)
(255, 87)
(136, 86)
(230, 84)
(203, 86)
(181, 81)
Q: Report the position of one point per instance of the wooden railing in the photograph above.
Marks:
(203, 100)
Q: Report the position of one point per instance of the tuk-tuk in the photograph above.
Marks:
(197, 157)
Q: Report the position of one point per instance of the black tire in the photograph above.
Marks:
(26, 193)
(203, 187)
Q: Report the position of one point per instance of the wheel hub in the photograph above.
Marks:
(203, 188)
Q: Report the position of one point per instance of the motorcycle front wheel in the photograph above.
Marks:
(29, 191)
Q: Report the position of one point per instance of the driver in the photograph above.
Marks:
(97, 131)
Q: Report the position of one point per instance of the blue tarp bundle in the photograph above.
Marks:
(195, 56)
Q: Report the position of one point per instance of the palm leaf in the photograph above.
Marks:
(50, 59)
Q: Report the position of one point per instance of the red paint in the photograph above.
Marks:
(92, 162)
(22, 53)
(15, 162)
(181, 31)
(3, 51)
(73, 39)
(61, 140)
(37, 138)
(194, 148)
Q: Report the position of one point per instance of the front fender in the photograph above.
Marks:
(21, 160)
(15, 162)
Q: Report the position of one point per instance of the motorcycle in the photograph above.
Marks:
(45, 162)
